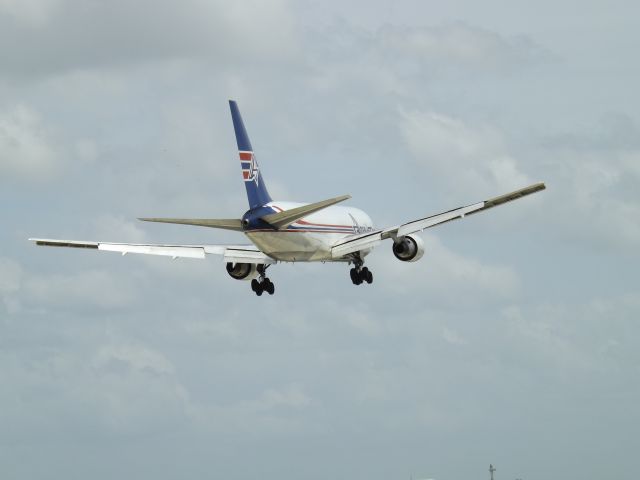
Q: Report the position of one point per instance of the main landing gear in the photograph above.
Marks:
(262, 283)
(360, 274)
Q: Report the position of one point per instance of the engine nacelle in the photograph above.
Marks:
(242, 271)
(408, 248)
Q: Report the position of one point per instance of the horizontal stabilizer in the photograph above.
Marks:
(282, 220)
(227, 224)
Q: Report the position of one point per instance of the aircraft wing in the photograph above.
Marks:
(231, 253)
(356, 243)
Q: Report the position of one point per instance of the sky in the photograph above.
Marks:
(513, 341)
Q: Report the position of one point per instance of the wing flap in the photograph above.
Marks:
(175, 251)
(283, 219)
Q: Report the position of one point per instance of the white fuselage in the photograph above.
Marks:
(311, 238)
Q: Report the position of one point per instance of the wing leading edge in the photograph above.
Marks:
(361, 242)
(231, 253)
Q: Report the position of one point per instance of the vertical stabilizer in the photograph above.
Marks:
(257, 193)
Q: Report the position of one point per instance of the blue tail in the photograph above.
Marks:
(256, 189)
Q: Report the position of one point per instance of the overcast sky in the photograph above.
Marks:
(514, 341)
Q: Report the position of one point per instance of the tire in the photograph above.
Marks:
(369, 277)
(364, 274)
(354, 276)
(255, 285)
(259, 292)
(270, 288)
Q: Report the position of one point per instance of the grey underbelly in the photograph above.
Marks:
(294, 246)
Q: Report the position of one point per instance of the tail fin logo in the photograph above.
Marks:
(250, 168)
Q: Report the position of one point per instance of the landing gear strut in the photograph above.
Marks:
(360, 274)
(262, 283)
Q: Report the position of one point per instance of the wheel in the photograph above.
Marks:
(364, 273)
(354, 276)
(255, 285)
(270, 287)
(259, 291)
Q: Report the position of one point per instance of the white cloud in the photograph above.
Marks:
(91, 288)
(11, 277)
(468, 158)
(594, 173)
(575, 339)
(109, 227)
(86, 150)
(291, 396)
(459, 44)
(362, 320)
(273, 411)
(69, 35)
(401, 60)
(25, 148)
(452, 337)
(33, 13)
(85, 398)
(449, 278)
(137, 357)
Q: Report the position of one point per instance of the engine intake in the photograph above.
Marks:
(408, 248)
(242, 271)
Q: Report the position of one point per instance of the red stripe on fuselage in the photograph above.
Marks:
(299, 231)
(303, 222)
(245, 155)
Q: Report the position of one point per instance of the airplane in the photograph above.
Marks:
(294, 232)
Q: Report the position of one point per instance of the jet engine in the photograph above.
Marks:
(408, 248)
(242, 271)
